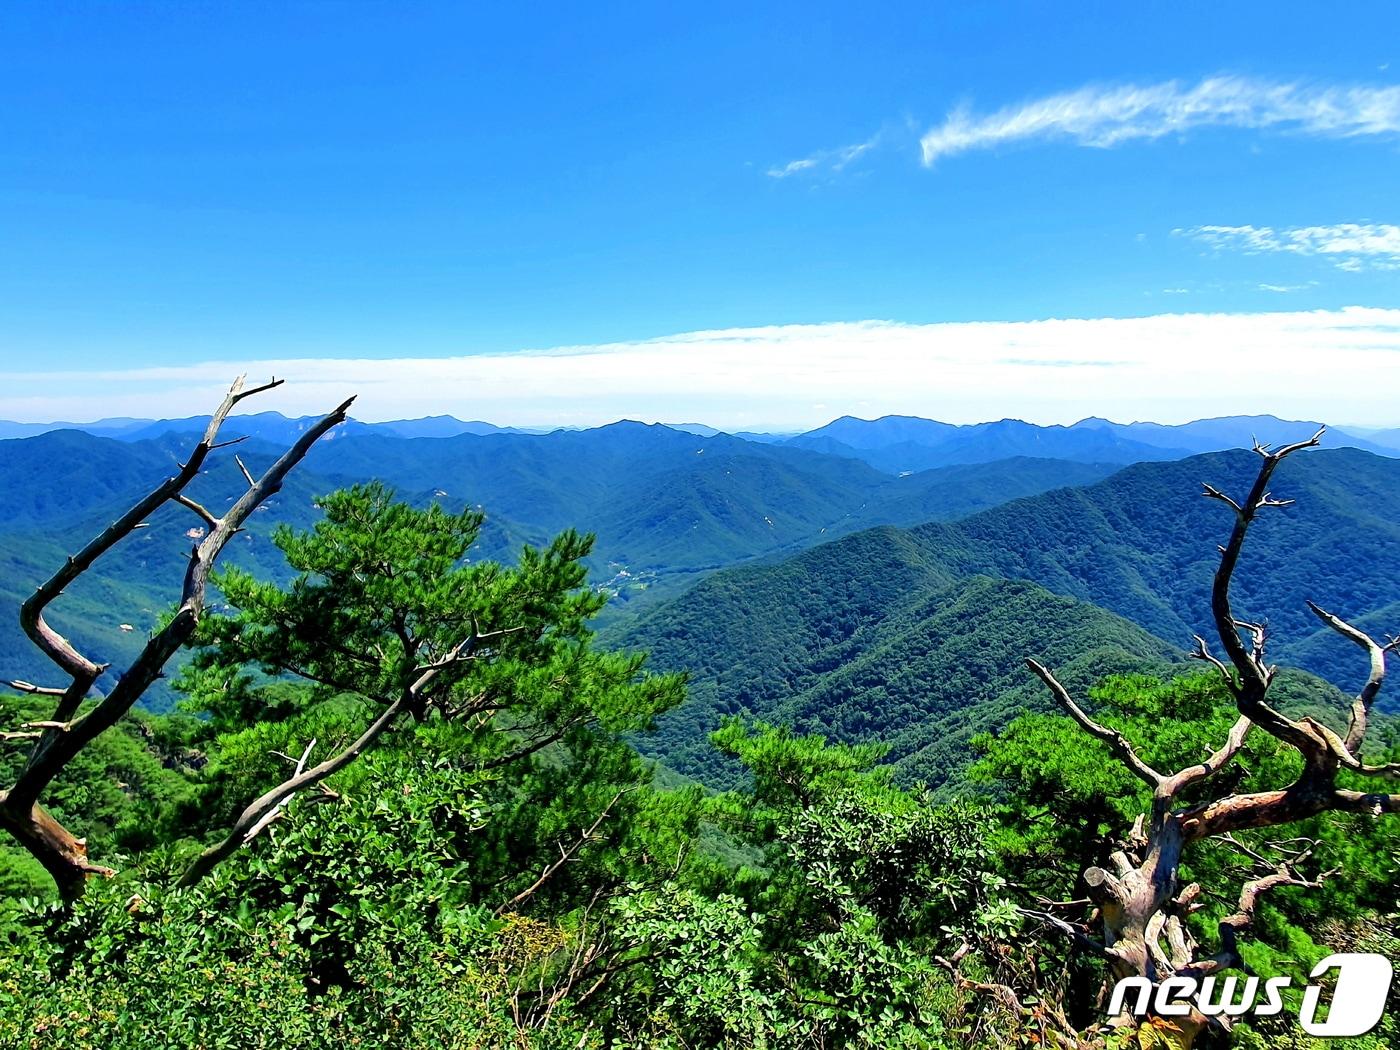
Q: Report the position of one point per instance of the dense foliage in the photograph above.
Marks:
(504, 869)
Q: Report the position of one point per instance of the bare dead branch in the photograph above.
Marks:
(37, 690)
(1116, 741)
(1202, 652)
(239, 394)
(1233, 925)
(1213, 764)
(52, 753)
(1211, 492)
(83, 671)
(253, 816)
(459, 657)
(247, 475)
(252, 819)
(66, 735)
(1258, 634)
(276, 810)
(1241, 847)
(1361, 706)
(1253, 676)
(204, 513)
(63, 854)
(565, 856)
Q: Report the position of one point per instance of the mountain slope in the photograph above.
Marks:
(903, 654)
(891, 628)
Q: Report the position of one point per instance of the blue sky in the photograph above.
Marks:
(183, 184)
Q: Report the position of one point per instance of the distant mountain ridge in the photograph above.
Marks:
(893, 444)
(909, 443)
(271, 426)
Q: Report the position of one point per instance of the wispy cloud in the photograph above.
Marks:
(825, 160)
(1169, 367)
(1349, 246)
(1105, 116)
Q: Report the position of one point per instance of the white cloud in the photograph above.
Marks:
(792, 167)
(1349, 246)
(1104, 116)
(1337, 364)
(827, 159)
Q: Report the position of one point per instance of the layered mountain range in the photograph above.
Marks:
(871, 580)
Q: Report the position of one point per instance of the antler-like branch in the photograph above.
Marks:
(83, 671)
(1116, 741)
(1240, 920)
(1214, 763)
(53, 752)
(20, 812)
(1202, 652)
(1253, 675)
(275, 812)
(1361, 706)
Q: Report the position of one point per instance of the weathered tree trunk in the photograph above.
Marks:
(1141, 928)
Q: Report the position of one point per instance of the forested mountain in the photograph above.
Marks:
(667, 507)
(270, 426)
(670, 506)
(503, 868)
(891, 630)
(886, 443)
(111, 427)
(868, 639)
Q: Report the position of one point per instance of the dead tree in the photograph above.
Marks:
(1141, 926)
(56, 741)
